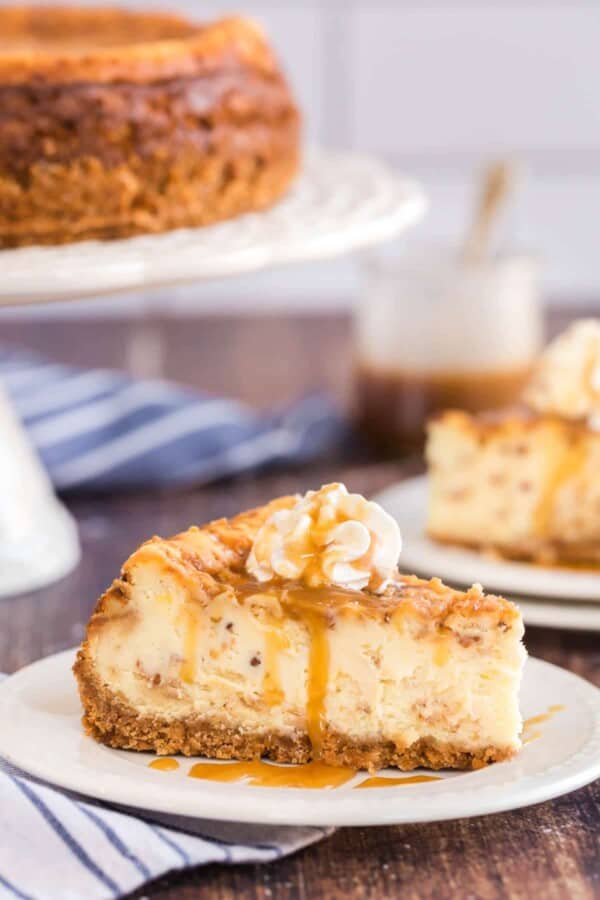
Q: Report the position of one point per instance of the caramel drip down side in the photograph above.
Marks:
(318, 677)
(275, 643)
(314, 608)
(190, 644)
(442, 651)
(568, 466)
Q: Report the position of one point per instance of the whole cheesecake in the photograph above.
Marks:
(115, 123)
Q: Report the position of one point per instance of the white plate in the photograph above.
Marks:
(407, 503)
(553, 614)
(41, 733)
(341, 201)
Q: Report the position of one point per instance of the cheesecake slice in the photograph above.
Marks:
(525, 483)
(521, 485)
(287, 632)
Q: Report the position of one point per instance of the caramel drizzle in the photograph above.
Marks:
(258, 773)
(307, 550)
(301, 603)
(441, 653)
(543, 717)
(313, 608)
(275, 643)
(318, 678)
(262, 774)
(164, 764)
(190, 644)
(567, 467)
(377, 781)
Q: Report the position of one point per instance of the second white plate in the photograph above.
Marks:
(407, 503)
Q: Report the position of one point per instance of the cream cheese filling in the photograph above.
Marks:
(249, 665)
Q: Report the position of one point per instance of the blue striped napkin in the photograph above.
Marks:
(56, 845)
(101, 430)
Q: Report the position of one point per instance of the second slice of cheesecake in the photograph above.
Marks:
(526, 483)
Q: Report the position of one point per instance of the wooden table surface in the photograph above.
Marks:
(550, 851)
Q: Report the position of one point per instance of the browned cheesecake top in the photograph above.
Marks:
(210, 560)
(512, 421)
(62, 45)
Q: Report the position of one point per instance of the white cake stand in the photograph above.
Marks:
(341, 202)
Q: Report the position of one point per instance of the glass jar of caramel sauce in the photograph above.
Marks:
(432, 332)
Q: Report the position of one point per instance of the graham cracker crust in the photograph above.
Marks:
(111, 720)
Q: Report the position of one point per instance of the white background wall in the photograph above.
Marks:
(437, 88)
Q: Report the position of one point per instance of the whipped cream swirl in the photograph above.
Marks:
(330, 537)
(566, 380)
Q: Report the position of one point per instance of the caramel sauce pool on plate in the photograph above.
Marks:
(258, 773)
(164, 764)
(262, 774)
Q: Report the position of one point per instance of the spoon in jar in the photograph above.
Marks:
(497, 184)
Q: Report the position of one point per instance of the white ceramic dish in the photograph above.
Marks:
(41, 733)
(38, 537)
(407, 503)
(49, 552)
(341, 201)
